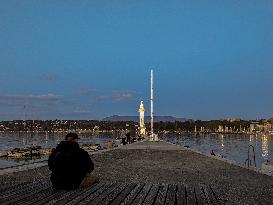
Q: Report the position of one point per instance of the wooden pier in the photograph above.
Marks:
(109, 193)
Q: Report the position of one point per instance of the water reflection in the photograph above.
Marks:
(231, 146)
(222, 142)
(11, 140)
(34, 140)
(46, 138)
(251, 137)
(265, 147)
(24, 140)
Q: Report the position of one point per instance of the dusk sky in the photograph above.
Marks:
(89, 59)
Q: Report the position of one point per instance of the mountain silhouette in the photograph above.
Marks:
(147, 118)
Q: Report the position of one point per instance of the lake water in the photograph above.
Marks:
(233, 147)
(230, 146)
(11, 140)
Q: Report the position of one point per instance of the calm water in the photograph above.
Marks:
(11, 140)
(234, 147)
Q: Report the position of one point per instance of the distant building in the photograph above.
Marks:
(233, 119)
(220, 128)
(264, 127)
(96, 128)
(252, 128)
(142, 128)
(267, 127)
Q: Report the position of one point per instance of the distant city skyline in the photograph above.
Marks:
(92, 59)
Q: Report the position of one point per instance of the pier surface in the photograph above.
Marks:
(153, 164)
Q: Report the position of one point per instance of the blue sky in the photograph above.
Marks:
(91, 59)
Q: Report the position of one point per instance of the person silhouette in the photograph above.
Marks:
(70, 165)
(212, 153)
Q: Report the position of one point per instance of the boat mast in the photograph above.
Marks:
(152, 105)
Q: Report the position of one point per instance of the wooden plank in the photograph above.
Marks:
(51, 195)
(14, 187)
(129, 199)
(89, 194)
(150, 198)
(209, 197)
(171, 195)
(104, 194)
(113, 195)
(217, 200)
(142, 194)
(41, 197)
(21, 190)
(190, 195)
(22, 196)
(31, 195)
(78, 194)
(181, 195)
(200, 196)
(123, 194)
(6, 188)
(161, 195)
(69, 195)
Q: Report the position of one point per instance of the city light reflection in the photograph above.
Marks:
(46, 138)
(265, 147)
(251, 139)
(222, 141)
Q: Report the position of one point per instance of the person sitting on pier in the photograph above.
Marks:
(70, 165)
(212, 153)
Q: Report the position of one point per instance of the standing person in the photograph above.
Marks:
(123, 140)
(128, 138)
(70, 165)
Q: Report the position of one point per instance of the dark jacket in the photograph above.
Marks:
(69, 165)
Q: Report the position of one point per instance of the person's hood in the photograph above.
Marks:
(67, 145)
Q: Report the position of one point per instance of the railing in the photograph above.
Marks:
(248, 160)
